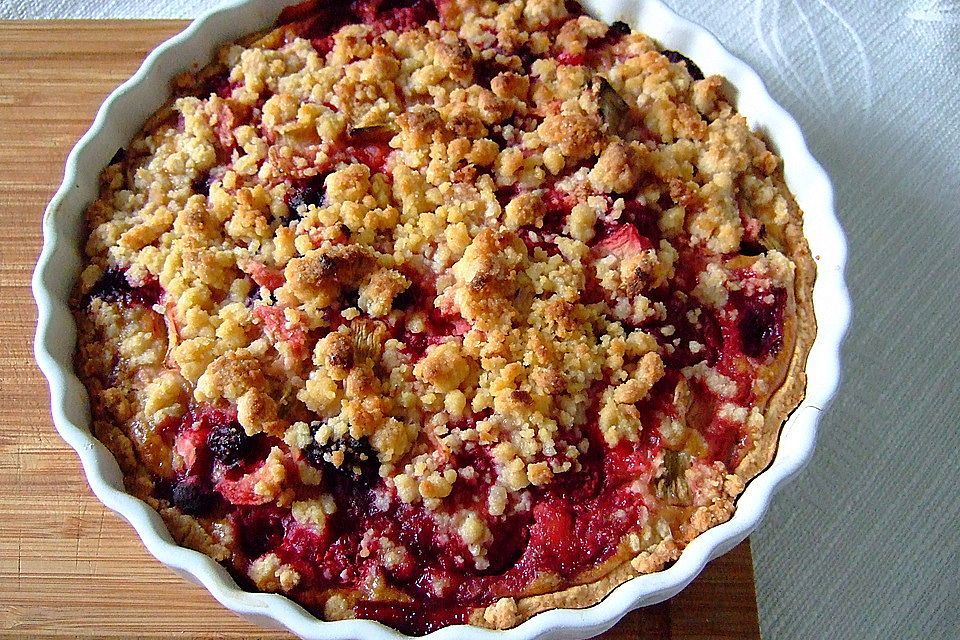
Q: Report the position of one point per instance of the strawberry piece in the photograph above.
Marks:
(558, 201)
(372, 154)
(266, 277)
(186, 446)
(241, 491)
(570, 59)
(276, 327)
(230, 115)
(625, 241)
(550, 536)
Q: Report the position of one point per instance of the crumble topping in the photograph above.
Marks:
(393, 300)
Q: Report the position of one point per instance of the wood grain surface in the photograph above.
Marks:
(68, 566)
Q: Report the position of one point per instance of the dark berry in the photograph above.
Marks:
(218, 84)
(253, 296)
(261, 529)
(751, 248)
(202, 184)
(675, 56)
(192, 497)
(350, 297)
(760, 322)
(573, 7)
(359, 461)
(406, 298)
(302, 194)
(119, 156)
(527, 57)
(621, 28)
(113, 286)
(228, 443)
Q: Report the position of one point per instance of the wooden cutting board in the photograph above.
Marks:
(68, 566)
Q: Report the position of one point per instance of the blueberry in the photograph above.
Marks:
(621, 28)
(228, 443)
(113, 286)
(192, 497)
(202, 184)
(675, 56)
(304, 193)
(360, 463)
(350, 297)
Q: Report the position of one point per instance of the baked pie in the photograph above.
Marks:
(443, 312)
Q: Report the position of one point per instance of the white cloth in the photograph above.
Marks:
(864, 544)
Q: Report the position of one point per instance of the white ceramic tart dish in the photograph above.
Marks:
(388, 328)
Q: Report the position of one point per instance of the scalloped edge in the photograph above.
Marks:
(122, 115)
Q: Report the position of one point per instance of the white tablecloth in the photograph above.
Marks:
(865, 544)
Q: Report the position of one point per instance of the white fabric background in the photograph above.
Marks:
(865, 544)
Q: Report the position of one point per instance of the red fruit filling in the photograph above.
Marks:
(565, 528)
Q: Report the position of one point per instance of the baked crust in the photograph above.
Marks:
(440, 286)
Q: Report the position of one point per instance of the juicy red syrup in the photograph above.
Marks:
(261, 529)
(705, 332)
(439, 328)
(751, 324)
(570, 59)
(410, 620)
(114, 286)
(573, 524)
